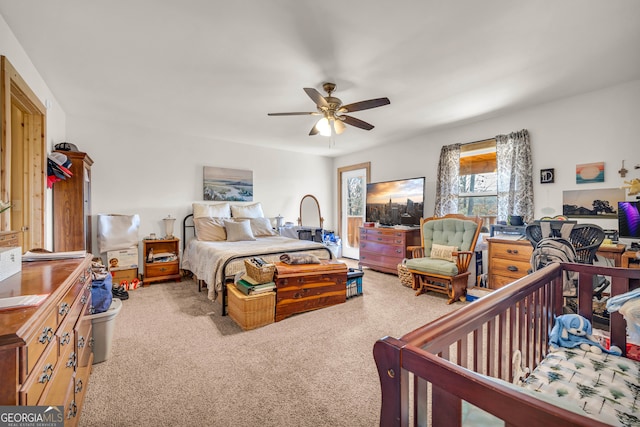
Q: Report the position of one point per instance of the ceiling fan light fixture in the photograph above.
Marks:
(324, 127)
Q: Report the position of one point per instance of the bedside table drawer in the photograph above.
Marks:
(509, 268)
(162, 269)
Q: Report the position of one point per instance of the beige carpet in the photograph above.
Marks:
(176, 361)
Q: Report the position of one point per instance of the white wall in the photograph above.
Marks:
(154, 174)
(593, 127)
(56, 119)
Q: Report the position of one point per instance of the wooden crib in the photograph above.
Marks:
(423, 376)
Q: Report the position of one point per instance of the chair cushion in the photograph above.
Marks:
(449, 232)
(434, 266)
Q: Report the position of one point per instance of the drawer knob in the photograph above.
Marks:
(91, 342)
(84, 298)
(73, 410)
(79, 386)
(512, 268)
(81, 342)
(512, 251)
(46, 373)
(64, 309)
(72, 361)
(47, 334)
(66, 337)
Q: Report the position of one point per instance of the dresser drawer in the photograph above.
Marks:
(162, 269)
(42, 375)
(36, 345)
(509, 268)
(9, 239)
(511, 251)
(388, 237)
(382, 249)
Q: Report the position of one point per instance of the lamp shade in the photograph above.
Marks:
(168, 227)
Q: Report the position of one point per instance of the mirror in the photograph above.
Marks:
(310, 212)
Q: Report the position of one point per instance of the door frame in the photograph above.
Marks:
(367, 167)
(16, 93)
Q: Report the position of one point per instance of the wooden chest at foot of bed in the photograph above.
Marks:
(307, 287)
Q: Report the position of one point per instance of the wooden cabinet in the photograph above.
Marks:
(509, 260)
(46, 351)
(166, 260)
(9, 239)
(383, 249)
(306, 287)
(72, 206)
(630, 259)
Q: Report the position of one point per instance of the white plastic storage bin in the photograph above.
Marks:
(103, 324)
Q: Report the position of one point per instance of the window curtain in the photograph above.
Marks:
(515, 176)
(447, 187)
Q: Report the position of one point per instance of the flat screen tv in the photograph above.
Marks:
(629, 219)
(399, 202)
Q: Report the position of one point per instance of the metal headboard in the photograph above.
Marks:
(187, 223)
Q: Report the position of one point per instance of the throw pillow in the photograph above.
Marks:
(211, 210)
(210, 229)
(238, 231)
(443, 252)
(247, 211)
(261, 227)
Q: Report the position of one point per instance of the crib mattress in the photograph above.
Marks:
(606, 387)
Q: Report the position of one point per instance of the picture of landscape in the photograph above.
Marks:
(233, 185)
(601, 202)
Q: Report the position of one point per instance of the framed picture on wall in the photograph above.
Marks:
(600, 203)
(234, 185)
(590, 172)
(547, 176)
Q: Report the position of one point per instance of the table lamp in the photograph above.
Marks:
(168, 227)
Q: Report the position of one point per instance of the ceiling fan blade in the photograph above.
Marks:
(364, 105)
(339, 126)
(315, 113)
(356, 122)
(316, 97)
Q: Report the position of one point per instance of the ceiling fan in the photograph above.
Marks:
(331, 109)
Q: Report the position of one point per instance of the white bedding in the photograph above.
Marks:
(206, 259)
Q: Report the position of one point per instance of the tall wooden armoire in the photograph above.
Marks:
(72, 206)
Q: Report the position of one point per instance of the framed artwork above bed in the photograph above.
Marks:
(233, 185)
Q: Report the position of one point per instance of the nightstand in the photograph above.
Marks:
(509, 260)
(166, 260)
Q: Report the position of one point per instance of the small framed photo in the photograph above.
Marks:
(547, 176)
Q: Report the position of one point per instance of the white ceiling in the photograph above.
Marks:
(214, 69)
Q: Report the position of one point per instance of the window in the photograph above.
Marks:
(478, 192)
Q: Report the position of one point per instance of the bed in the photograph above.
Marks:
(214, 262)
(461, 365)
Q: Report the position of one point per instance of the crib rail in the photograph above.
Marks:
(446, 360)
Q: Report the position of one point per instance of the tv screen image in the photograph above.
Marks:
(399, 202)
(629, 219)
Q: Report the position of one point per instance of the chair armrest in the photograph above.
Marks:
(416, 251)
(463, 259)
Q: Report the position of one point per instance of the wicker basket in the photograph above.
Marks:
(406, 278)
(260, 274)
(251, 311)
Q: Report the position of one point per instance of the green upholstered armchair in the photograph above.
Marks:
(442, 261)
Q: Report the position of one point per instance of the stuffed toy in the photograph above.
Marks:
(634, 186)
(573, 330)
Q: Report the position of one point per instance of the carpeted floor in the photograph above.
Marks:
(176, 361)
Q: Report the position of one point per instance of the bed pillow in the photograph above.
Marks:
(443, 252)
(210, 229)
(261, 227)
(211, 210)
(247, 211)
(238, 231)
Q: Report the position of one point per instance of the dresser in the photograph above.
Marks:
(72, 206)
(383, 249)
(46, 351)
(509, 260)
